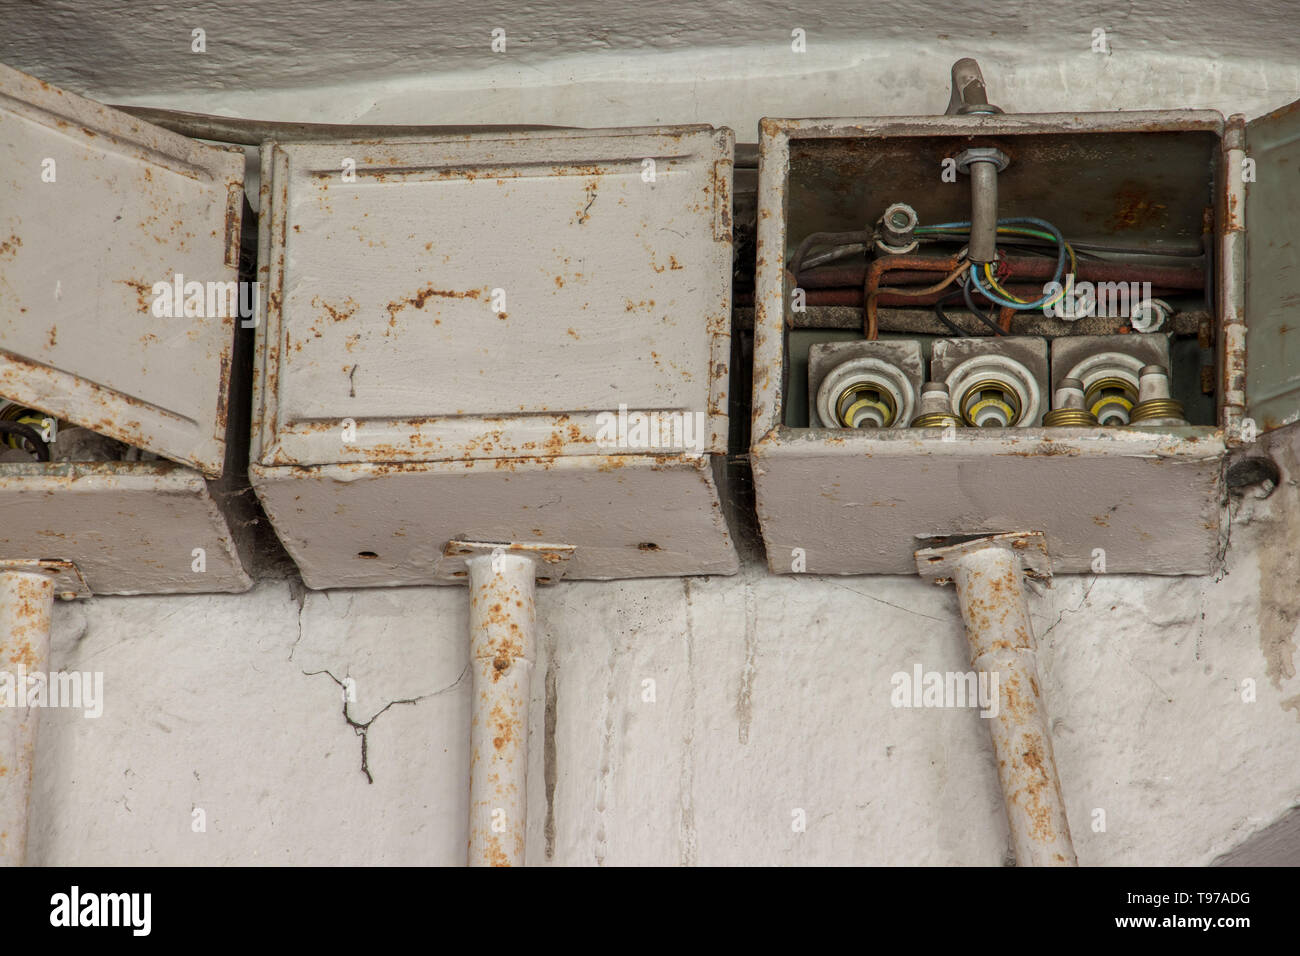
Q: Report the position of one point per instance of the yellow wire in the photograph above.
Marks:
(993, 282)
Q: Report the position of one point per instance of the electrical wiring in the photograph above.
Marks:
(823, 238)
(928, 290)
(942, 316)
(871, 327)
(1021, 305)
(831, 255)
(1018, 226)
(993, 282)
(979, 313)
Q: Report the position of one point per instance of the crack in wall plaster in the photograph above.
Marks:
(298, 594)
(878, 600)
(363, 730)
(1071, 610)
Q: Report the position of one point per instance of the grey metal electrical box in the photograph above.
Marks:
(510, 337)
(1145, 499)
(98, 209)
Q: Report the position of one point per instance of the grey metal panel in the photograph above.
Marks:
(129, 527)
(1273, 269)
(1151, 502)
(369, 525)
(130, 205)
(380, 292)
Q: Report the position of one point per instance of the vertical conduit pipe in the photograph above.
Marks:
(26, 604)
(984, 211)
(502, 651)
(1001, 640)
(988, 572)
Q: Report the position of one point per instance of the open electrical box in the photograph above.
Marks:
(981, 322)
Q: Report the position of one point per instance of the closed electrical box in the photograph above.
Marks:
(498, 337)
(108, 226)
(1104, 428)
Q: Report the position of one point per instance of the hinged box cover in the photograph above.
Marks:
(1272, 253)
(98, 209)
(491, 295)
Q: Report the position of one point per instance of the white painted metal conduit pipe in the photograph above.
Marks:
(1001, 639)
(988, 576)
(502, 624)
(26, 604)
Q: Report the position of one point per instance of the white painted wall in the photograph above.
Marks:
(772, 694)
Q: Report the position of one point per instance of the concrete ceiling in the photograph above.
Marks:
(108, 48)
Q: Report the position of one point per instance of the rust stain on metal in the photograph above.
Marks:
(339, 313)
(428, 292)
(234, 208)
(1133, 210)
(505, 727)
(1033, 795)
(142, 289)
(1232, 221)
(585, 212)
(496, 856)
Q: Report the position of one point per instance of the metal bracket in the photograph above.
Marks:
(938, 564)
(68, 582)
(969, 95)
(552, 559)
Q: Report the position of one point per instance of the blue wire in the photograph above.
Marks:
(1060, 264)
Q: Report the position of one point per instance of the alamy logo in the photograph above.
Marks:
(651, 430)
(75, 908)
(1107, 300)
(950, 689)
(193, 299)
(78, 690)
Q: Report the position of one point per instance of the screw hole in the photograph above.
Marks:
(366, 554)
